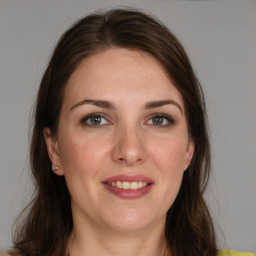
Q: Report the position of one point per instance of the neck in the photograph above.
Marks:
(87, 240)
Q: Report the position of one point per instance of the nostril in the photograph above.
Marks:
(129, 160)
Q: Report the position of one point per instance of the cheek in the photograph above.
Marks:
(169, 158)
(82, 155)
(170, 154)
(81, 160)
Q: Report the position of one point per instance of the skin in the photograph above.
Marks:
(127, 141)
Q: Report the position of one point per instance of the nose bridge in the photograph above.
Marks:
(129, 146)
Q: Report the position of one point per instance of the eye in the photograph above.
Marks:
(160, 120)
(94, 120)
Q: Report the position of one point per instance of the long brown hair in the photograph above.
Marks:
(48, 221)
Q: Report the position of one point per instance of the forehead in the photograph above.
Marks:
(120, 72)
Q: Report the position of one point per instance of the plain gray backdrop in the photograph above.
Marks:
(220, 39)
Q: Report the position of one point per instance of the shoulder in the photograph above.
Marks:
(233, 253)
(4, 254)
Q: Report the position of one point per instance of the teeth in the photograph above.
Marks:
(128, 185)
(118, 184)
(134, 185)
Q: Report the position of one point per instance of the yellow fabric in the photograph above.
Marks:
(233, 253)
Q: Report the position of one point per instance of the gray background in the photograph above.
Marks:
(220, 38)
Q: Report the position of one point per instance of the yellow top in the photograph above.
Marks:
(233, 253)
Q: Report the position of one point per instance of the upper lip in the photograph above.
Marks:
(129, 178)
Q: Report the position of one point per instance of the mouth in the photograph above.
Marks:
(129, 187)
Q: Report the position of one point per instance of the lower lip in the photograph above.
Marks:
(129, 193)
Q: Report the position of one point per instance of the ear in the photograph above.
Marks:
(190, 152)
(53, 150)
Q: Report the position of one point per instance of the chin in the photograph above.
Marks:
(130, 221)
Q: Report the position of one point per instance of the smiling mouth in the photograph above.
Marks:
(128, 185)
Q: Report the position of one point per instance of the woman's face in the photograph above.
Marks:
(122, 141)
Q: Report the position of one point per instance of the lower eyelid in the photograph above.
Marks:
(169, 119)
(87, 117)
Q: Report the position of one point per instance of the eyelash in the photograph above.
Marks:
(169, 119)
(86, 118)
(164, 117)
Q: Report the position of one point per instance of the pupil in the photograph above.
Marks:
(157, 120)
(96, 120)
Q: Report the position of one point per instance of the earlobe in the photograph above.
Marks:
(53, 151)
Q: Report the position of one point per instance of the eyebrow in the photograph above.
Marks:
(109, 105)
(160, 103)
(98, 103)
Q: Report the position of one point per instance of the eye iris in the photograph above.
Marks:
(95, 120)
(157, 120)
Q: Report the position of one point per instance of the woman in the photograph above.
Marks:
(120, 151)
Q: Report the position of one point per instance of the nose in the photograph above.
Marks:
(129, 147)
